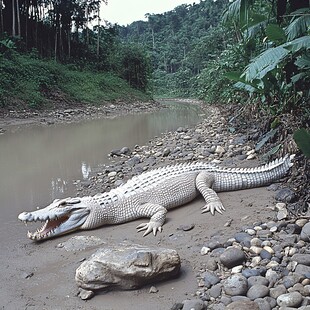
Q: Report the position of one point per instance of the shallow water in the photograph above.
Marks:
(38, 164)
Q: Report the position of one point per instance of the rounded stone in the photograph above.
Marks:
(257, 291)
(236, 285)
(265, 254)
(196, 304)
(285, 195)
(210, 279)
(293, 299)
(243, 305)
(303, 259)
(232, 257)
(256, 242)
(250, 272)
(275, 292)
(263, 304)
(257, 280)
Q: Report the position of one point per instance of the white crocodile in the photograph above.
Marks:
(151, 195)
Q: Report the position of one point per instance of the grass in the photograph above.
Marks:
(30, 80)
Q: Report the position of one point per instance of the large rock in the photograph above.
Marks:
(127, 267)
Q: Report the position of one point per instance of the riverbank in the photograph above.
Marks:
(12, 120)
(41, 275)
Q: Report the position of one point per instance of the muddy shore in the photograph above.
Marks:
(41, 275)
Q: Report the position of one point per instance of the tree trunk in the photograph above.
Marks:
(1, 17)
(98, 34)
(18, 18)
(55, 46)
(13, 19)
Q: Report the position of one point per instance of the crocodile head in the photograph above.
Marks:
(60, 217)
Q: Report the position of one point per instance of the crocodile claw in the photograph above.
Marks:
(149, 227)
(212, 207)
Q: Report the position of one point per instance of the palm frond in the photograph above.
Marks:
(233, 11)
(299, 26)
(246, 87)
(303, 62)
(298, 44)
(265, 62)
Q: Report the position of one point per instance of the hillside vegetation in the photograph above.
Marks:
(61, 47)
(230, 51)
(27, 81)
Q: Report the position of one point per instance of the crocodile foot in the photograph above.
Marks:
(212, 207)
(149, 227)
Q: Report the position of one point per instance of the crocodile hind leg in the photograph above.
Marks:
(204, 182)
(157, 215)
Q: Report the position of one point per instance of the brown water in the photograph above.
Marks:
(39, 164)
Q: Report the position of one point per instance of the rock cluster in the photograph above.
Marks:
(265, 266)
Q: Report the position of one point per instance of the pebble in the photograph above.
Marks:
(257, 291)
(194, 304)
(305, 232)
(232, 257)
(243, 305)
(257, 280)
(235, 285)
(205, 250)
(303, 259)
(153, 290)
(293, 299)
(275, 292)
(210, 279)
(286, 195)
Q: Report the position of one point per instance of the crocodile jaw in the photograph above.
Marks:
(57, 221)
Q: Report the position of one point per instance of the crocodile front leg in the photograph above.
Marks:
(157, 214)
(204, 182)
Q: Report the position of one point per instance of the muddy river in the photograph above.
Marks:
(40, 163)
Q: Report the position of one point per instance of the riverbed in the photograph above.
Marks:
(41, 275)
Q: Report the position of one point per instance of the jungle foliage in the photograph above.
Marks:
(48, 33)
(230, 51)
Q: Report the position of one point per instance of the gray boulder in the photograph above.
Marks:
(127, 267)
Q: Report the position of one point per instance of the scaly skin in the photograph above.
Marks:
(151, 195)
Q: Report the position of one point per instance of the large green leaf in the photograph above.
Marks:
(233, 11)
(265, 62)
(241, 84)
(298, 44)
(246, 87)
(275, 33)
(302, 139)
(238, 10)
(299, 26)
(299, 76)
(303, 62)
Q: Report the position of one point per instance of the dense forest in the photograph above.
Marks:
(224, 51)
(48, 45)
(217, 50)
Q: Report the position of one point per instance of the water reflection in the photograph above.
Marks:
(86, 170)
(58, 188)
(38, 164)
